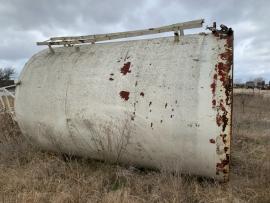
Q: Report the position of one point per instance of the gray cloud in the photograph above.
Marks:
(23, 22)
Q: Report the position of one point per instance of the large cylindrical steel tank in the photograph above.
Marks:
(155, 103)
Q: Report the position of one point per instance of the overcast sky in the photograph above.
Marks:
(24, 22)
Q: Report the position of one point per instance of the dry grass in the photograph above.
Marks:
(30, 175)
(7, 101)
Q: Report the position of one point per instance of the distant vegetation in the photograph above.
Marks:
(6, 73)
(258, 83)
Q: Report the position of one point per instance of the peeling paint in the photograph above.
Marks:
(222, 100)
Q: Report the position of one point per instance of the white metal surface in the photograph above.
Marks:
(153, 103)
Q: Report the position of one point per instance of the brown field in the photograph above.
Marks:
(30, 175)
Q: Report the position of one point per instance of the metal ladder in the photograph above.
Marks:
(6, 105)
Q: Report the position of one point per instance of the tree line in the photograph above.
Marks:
(6, 73)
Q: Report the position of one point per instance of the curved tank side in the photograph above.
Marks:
(144, 102)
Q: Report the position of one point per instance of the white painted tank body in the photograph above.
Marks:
(146, 102)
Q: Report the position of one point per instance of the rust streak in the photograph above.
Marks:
(223, 75)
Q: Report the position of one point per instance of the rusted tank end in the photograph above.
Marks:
(222, 92)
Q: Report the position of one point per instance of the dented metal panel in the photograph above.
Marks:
(155, 103)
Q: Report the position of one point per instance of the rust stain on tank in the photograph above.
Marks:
(214, 84)
(222, 113)
(142, 94)
(224, 136)
(222, 74)
(228, 92)
(212, 141)
(213, 87)
(124, 95)
(224, 67)
(220, 166)
(214, 102)
(126, 68)
(222, 120)
(223, 78)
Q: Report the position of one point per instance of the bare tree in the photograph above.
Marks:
(238, 81)
(258, 80)
(6, 73)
